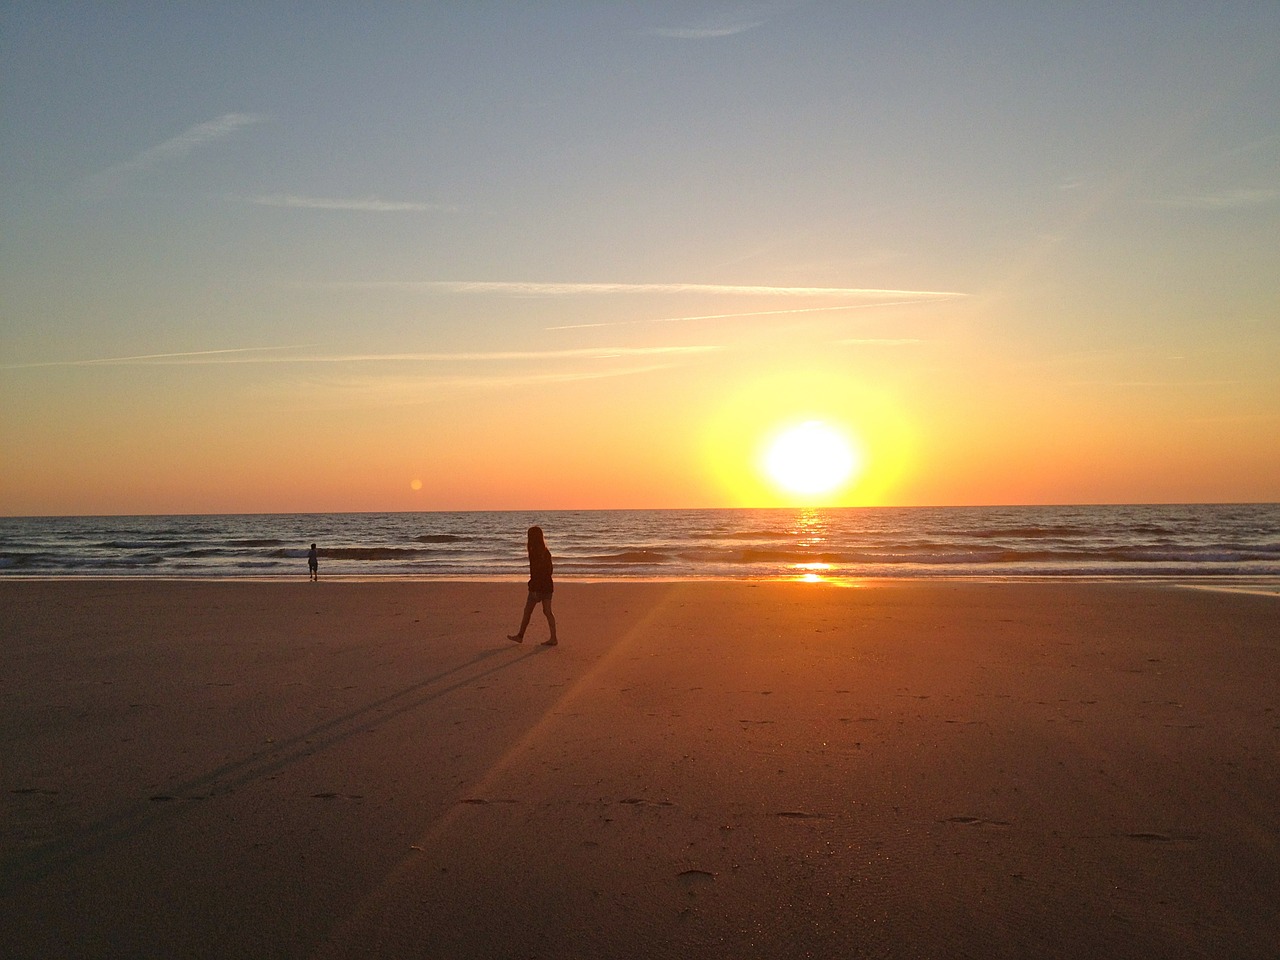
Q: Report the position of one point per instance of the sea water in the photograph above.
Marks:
(1219, 542)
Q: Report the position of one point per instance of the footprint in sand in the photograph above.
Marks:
(976, 822)
(1151, 836)
(692, 877)
(803, 815)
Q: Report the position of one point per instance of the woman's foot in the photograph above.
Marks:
(516, 637)
(550, 643)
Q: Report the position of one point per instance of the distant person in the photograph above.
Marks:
(540, 587)
(313, 562)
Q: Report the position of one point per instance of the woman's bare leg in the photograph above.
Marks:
(524, 621)
(551, 622)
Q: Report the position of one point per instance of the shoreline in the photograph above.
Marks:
(1249, 584)
(727, 769)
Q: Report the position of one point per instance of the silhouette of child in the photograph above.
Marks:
(313, 562)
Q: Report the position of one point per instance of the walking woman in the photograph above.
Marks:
(540, 587)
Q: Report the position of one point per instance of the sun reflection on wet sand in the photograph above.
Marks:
(818, 573)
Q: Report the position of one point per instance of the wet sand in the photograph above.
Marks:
(699, 769)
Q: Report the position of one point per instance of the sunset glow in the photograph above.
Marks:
(426, 258)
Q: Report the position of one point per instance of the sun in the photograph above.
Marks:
(810, 459)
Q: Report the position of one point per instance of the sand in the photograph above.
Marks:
(698, 770)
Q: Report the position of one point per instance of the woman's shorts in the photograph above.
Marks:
(539, 596)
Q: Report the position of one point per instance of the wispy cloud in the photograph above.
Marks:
(709, 32)
(359, 204)
(729, 22)
(866, 297)
(1259, 145)
(392, 388)
(1264, 417)
(751, 313)
(175, 148)
(880, 342)
(1158, 384)
(193, 356)
(563, 289)
(269, 355)
(1236, 199)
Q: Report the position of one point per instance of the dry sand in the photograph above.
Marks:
(698, 770)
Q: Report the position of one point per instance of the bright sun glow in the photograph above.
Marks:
(811, 459)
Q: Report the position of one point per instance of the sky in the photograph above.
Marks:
(448, 256)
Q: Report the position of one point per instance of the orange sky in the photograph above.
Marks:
(936, 424)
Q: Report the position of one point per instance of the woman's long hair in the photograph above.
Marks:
(537, 545)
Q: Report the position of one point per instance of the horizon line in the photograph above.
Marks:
(994, 505)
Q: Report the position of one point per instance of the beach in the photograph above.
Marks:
(712, 769)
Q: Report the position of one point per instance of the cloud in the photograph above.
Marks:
(1238, 418)
(1237, 199)
(402, 389)
(503, 356)
(362, 204)
(562, 289)
(265, 355)
(411, 389)
(868, 297)
(176, 148)
(738, 18)
(751, 313)
(1158, 384)
(189, 357)
(879, 342)
(706, 32)
(1262, 144)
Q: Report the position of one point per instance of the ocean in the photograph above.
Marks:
(1220, 543)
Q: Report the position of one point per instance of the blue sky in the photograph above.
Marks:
(976, 211)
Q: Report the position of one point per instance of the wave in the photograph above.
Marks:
(1151, 529)
(1033, 533)
(363, 553)
(442, 538)
(629, 556)
(986, 555)
(10, 560)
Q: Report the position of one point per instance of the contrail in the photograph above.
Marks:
(157, 358)
(213, 357)
(754, 313)
(358, 204)
(558, 288)
(175, 148)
